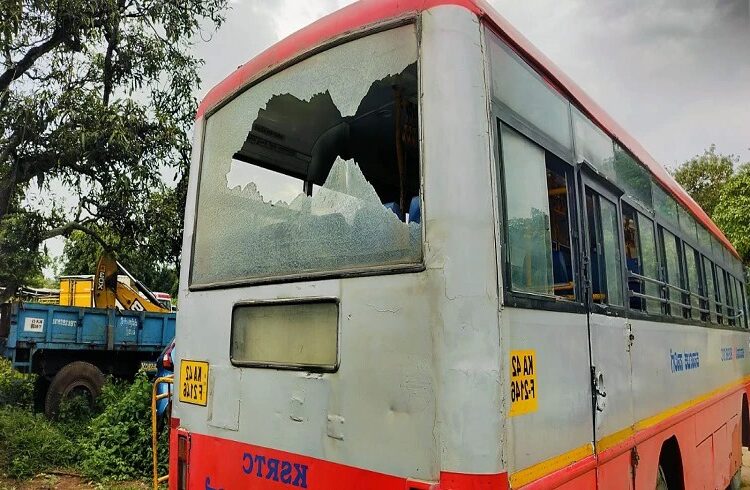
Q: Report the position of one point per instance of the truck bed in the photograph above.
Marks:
(26, 328)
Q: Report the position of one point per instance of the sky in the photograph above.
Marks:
(673, 73)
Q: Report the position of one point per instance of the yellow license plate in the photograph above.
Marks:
(194, 382)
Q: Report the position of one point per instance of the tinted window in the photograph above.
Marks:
(672, 270)
(604, 249)
(693, 281)
(708, 270)
(593, 145)
(520, 88)
(632, 177)
(527, 212)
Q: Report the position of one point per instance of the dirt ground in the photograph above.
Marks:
(67, 482)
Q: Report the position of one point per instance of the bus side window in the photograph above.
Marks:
(604, 249)
(743, 303)
(713, 306)
(694, 283)
(674, 288)
(537, 207)
(641, 261)
(729, 298)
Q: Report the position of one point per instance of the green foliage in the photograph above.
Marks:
(732, 213)
(110, 442)
(96, 102)
(31, 444)
(16, 389)
(119, 446)
(704, 177)
(20, 234)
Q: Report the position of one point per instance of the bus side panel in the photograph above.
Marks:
(683, 372)
(460, 247)
(557, 432)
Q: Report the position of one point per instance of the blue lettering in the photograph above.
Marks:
(259, 460)
(247, 458)
(286, 472)
(683, 361)
(300, 480)
(273, 469)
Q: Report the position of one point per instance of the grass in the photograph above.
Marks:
(110, 443)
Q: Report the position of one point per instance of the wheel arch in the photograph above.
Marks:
(670, 460)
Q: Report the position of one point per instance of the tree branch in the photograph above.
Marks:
(58, 37)
(28, 60)
(68, 228)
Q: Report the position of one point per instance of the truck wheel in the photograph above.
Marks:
(76, 378)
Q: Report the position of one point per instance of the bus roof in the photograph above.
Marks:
(364, 13)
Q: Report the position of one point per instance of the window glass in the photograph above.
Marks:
(650, 263)
(664, 205)
(725, 301)
(286, 335)
(604, 249)
(562, 247)
(716, 249)
(744, 304)
(520, 88)
(527, 210)
(704, 238)
(708, 270)
(633, 261)
(739, 303)
(693, 281)
(632, 177)
(593, 145)
(687, 225)
(730, 299)
(612, 256)
(353, 133)
(672, 266)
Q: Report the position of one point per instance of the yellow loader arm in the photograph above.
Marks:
(108, 291)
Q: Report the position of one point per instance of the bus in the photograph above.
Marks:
(417, 256)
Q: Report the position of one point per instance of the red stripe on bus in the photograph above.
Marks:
(364, 13)
(221, 463)
(217, 463)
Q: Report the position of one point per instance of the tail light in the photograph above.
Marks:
(166, 361)
(183, 453)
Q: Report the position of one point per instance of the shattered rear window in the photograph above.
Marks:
(315, 169)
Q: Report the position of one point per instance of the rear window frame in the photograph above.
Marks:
(364, 271)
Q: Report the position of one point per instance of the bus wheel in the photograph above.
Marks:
(661, 480)
(77, 379)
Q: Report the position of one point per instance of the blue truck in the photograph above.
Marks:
(70, 349)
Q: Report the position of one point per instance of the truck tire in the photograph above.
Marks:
(76, 376)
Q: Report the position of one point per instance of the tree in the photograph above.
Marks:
(704, 176)
(153, 256)
(96, 101)
(732, 213)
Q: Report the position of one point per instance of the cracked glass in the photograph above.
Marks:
(315, 169)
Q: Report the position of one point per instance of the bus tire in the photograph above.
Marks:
(77, 375)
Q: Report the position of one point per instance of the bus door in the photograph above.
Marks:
(610, 337)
